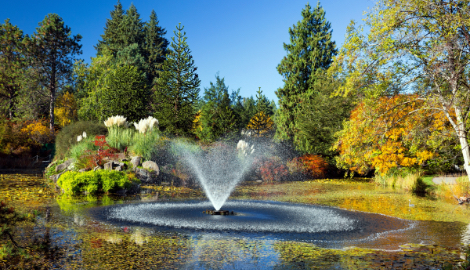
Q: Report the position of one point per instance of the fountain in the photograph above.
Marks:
(219, 170)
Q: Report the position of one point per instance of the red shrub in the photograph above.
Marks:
(315, 165)
(104, 153)
(271, 169)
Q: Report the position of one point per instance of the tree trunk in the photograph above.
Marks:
(462, 134)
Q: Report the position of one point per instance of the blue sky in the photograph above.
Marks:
(242, 40)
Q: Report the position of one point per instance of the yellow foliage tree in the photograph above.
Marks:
(260, 124)
(65, 110)
(39, 132)
(391, 133)
(197, 123)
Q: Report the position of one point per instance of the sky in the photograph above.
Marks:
(240, 40)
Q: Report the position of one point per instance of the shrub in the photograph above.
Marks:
(94, 181)
(271, 169)
(144, 143)
(102, 155)
(68, 135)
(315, 165)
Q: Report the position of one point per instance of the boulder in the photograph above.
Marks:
(120, 156)
(97, 168)
(84, 170)
(147, 177)
(111, 165)
(151, 166)
(65, 165)
(55, 177)
(135, 161)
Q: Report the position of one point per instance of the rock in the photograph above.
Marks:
(146, 177)
(55, 177)
(118, 168)
(135, 161)
(111, 165)
(151, 166)
(84, 170)
(64, 166)
(120, 156)
(97, 168)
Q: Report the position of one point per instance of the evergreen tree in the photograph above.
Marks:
(309, 54)
(260, 124)
(51, 50)
(12, 64)
(112, 37)
(126, 94)
(322, 116)
(218, 117)
(176, 90)
(248, 111)
(155, 47)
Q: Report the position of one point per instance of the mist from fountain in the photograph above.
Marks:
(218, 170)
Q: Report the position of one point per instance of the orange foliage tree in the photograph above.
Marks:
(260, 124)
(393, 132)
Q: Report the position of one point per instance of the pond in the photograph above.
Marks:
(404, 231)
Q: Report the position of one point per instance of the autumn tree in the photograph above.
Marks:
(51, 49)
(177, 88)
(309, 54)
(386, 134)
(419, 46)
(260, 124)
(65, 110)
(12, 64)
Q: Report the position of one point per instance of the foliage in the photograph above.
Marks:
(260, 125)
(126, 94)
(67, 137)
(38, 132)
(144, 144)
(65, 110)
(176, 90)
(391, 133)
(217, 116)
(271, 169)
(51, 49)
(320, 118)
(315, 165)
(309, 54)
(94, 181)
(418, 47)
(101, 156)
(12, 65)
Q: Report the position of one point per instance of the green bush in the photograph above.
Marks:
(67, 137)
(145, 144)
(94, 181)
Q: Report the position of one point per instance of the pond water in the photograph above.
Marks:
(380, 229)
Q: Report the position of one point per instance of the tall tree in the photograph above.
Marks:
(155, 47)
(419, 46)
(112, 39)
(176, 90)
(309, 53)
(51, 49)
(260, 124)
(126, 94)
(12, 64)
(217, 116)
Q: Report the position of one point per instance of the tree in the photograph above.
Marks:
(126, 94)
(320, 118)
(176, 90)
(217, 115)
(65, 110)
(419, 46)
(379, 137)
(12, 64)
(51, 50)
(309, 54)
(155, 47)
(112, 39)
(260, 124)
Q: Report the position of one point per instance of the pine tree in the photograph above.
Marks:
(155, 47)
(218, 118)
(12, 64)
(126, 94)
(260, 124)
(112, 39)
(51, 50)
(309, 53)
(176, 90)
